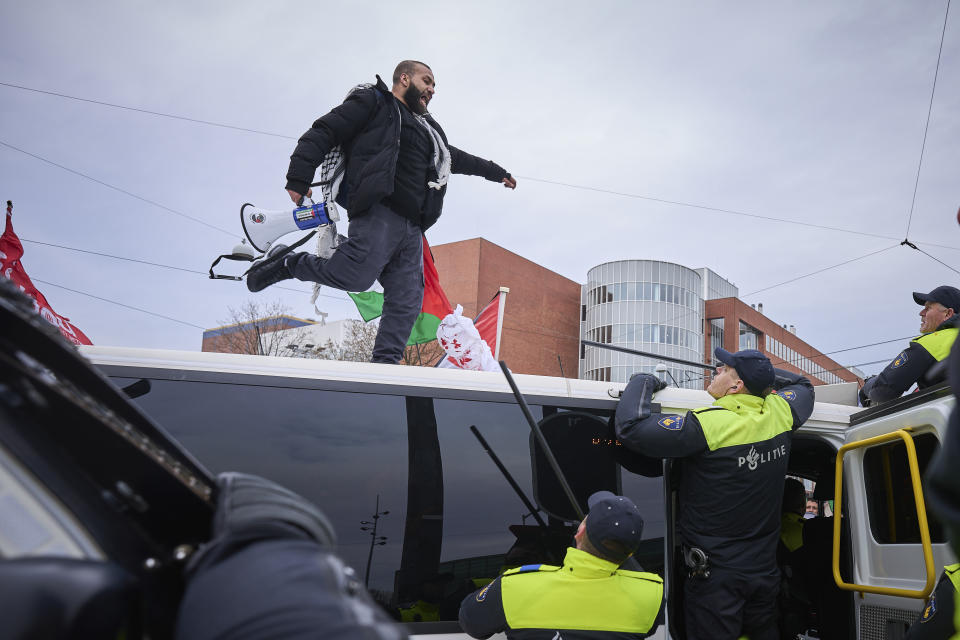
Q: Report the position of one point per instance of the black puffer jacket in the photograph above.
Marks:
(367, 124)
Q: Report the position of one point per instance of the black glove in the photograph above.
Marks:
(246, 501)
(655, 383)
(864, 393)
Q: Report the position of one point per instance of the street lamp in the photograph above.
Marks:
(375, 540)
(660, 368)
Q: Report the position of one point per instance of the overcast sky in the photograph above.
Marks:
(812, 112)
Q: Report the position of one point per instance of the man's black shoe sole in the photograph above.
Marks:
(271, 271)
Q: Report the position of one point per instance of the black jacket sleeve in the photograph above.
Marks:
(936, 619)
(340, 125)
(797, 391)
(655, 434)
(481, 612)
(470, 165)
(908, 367)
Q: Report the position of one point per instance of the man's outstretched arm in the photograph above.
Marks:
(467, 164)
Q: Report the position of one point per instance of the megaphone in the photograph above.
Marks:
(263, 227)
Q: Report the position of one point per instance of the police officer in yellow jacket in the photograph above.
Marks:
(938, 326)
(937, 620)
(734, 460)
(586, 597)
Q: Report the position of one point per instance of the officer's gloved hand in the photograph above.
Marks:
(252, 508)
(247, 501)
(653, 382)
(864, 393)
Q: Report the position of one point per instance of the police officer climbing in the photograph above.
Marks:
(734, 458)
(938, 326)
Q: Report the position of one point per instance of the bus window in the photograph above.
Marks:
(453, 522)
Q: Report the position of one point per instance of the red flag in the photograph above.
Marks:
(486, 322)
(10, 253)
(466, 352)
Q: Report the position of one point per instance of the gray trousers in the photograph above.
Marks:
(382, 246)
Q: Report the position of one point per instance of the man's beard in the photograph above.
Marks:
(412, 98)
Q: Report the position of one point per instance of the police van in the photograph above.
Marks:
(435, 484)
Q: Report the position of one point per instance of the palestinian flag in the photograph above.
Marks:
(435, 304)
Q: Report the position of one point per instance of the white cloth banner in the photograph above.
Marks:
(462, 342)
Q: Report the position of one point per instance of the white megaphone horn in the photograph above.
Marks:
(263, 227)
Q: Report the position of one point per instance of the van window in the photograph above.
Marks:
(448, 519)
(890, 501)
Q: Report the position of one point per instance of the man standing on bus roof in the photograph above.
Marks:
(938, 326)
(589, 596)
(397, 165)
(734, 460)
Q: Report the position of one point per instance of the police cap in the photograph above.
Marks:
(614, 525)
(944, 294)
(752, 366)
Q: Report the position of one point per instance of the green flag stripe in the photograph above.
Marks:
(369, 304)
(424, 329)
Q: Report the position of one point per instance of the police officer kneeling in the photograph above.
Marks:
(587, 597)
(731, 483)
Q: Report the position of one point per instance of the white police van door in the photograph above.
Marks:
(897, 548)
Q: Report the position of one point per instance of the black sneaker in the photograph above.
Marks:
(270, 269)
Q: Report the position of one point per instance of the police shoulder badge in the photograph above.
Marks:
(671, 423)
(900, 360)
(930, 609)
(482, 594)
(787, 394)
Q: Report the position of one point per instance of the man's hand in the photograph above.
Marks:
(509, 182)
(298, 198)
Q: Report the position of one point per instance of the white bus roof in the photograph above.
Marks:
(475, 384)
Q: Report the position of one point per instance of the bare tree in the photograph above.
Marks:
(254, 328)
(427, 354)
(357, 345)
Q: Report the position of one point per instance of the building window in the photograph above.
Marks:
(749, 337)
(716, 335)
(601, 334)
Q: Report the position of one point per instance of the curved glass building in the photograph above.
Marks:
(645, 305)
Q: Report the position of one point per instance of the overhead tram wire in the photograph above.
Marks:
(119, 304)
(813, 273)
(686, 313)
(913, 246)
(148, 112)
(533, 179)
(163, 266)
(926, 128)
(716, 209)
(115, 188)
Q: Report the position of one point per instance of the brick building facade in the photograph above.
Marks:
(541, 319)
(734, 325)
